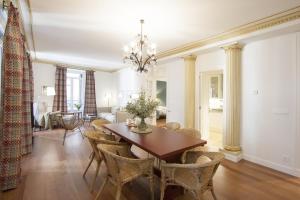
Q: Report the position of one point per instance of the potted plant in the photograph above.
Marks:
(142, 107)
(78, 106)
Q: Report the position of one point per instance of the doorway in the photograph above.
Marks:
(161, 96)
(211, 104)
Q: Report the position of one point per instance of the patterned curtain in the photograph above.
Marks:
(30, 78)
(90, 94)
(15, 131)
(26, 139)
(60, 98)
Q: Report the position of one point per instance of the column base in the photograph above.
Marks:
(234, 156)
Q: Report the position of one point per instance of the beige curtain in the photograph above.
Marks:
(60, 98)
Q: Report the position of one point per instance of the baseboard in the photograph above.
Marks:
(272, 165)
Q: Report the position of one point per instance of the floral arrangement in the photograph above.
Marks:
(142, 107)
(78, 106)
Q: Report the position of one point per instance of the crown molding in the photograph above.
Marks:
(72, 66)
(268, 22)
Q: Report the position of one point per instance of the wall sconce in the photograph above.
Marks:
(48, 91)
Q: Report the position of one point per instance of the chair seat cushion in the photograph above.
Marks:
(203, 160)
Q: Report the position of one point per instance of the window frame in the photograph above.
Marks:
(70, 101)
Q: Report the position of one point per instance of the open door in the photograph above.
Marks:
(161, 95)
(211, 105)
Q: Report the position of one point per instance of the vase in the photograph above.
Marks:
(142, 126)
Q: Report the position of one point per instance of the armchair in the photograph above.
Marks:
(195, 175)
(123, 167)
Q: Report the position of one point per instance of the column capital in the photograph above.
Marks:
(232, 46)
(190, 58)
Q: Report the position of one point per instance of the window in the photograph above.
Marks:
(74, 89)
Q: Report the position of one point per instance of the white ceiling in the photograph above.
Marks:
(93, 32)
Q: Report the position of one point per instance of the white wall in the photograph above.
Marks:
(211, 61)
(104, 84)
(297, 139)
(270, 120)
(127, 82)
(268, 129)
(175, 90)
(44, 75)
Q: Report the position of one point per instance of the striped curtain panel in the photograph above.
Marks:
(16, 132)
(30, 78)
(90, 106)
(60, 98)
(26, 139)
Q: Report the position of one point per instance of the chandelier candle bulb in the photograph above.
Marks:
(126, 49)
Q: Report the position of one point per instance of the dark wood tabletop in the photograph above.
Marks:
(161, 142)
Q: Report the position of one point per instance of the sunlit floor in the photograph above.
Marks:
(215, 139)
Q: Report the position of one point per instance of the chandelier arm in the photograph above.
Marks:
(146, 61)
(136, 58)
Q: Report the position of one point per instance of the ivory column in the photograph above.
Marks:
(232, 98)
(189, 118)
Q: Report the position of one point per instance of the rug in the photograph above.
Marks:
(58, 134)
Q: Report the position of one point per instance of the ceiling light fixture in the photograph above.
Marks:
(140, 53)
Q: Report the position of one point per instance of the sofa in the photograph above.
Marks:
(113, 114)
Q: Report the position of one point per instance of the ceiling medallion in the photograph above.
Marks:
(140, 53)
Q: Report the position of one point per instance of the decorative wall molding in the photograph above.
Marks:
(258, 25)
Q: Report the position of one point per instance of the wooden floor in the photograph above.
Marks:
(54, 172)
(161, 122)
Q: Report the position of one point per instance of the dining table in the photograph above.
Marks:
(162, 143)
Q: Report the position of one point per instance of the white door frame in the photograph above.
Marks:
(203, 101)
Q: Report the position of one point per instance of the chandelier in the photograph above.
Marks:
(140, 53)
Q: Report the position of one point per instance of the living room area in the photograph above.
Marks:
(110, 99)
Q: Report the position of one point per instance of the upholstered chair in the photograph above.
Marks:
(194, 175)
(95, 138)
(172, 126)
(70, 123)
(123, 167)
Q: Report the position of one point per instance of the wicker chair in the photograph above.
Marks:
(194, 176)
(190, 132)
(70, 123)
(172, 126)
(123, 167)
(95, 138)
(98, 123)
